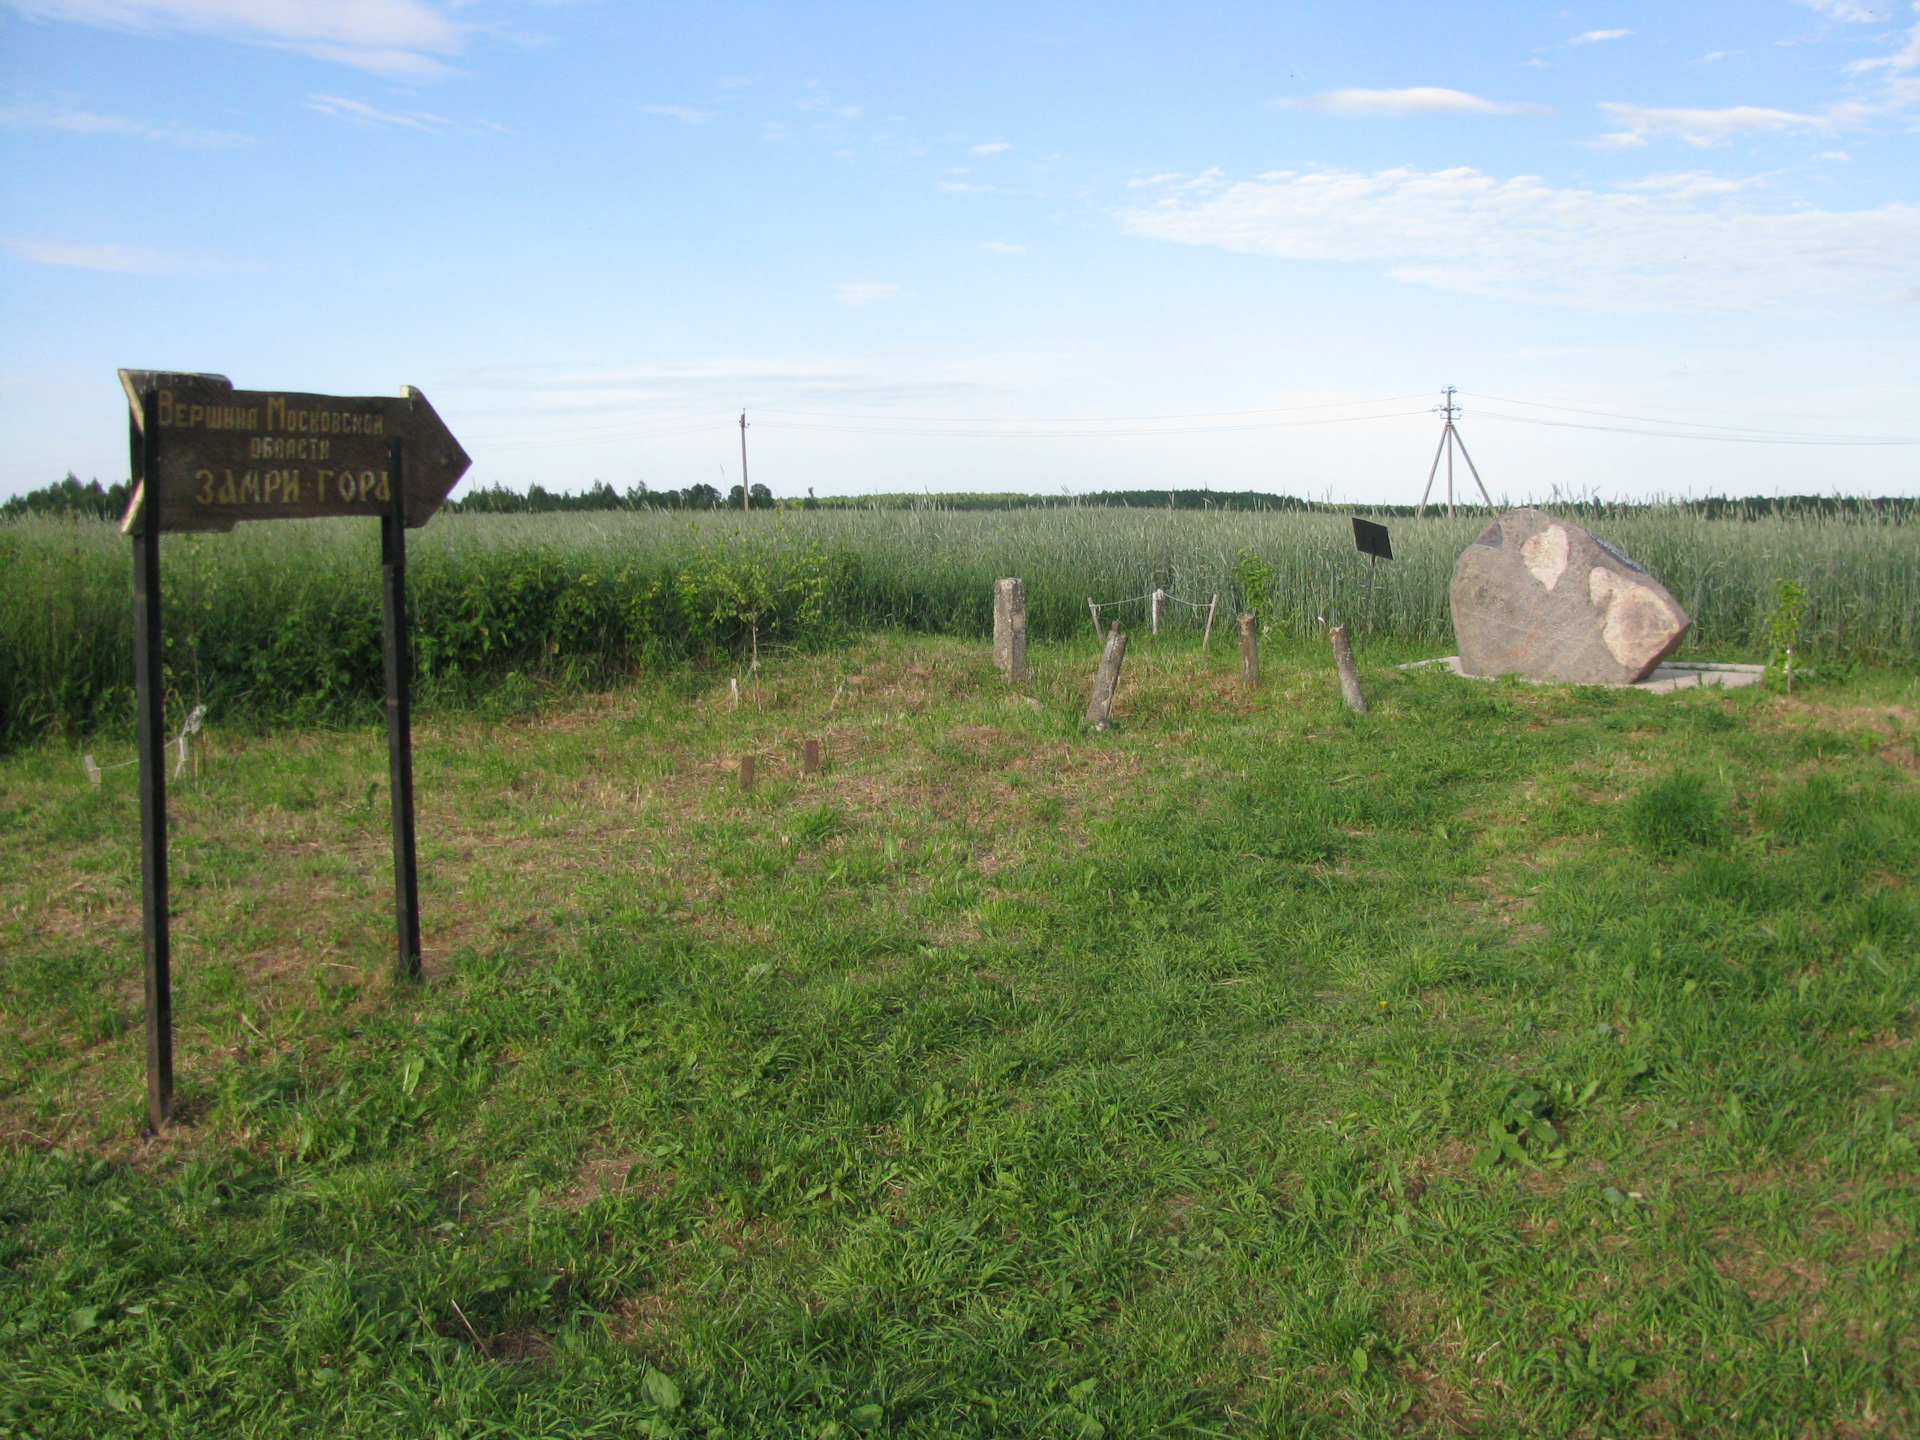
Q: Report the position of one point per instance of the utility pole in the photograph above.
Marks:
(1450, 437)
(746, 492)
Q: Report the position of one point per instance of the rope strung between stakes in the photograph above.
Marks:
(195, 717)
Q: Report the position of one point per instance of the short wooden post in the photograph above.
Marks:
(746, 772)
(1158, 597)
(1349, 672)
(1096, 614)
(1107, 679)
(1250, 649)
(1212, 605)
(1010, 629)
(810, 757)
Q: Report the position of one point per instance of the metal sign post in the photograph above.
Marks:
(1371, 541)
(398, 661)
(150, 698)
(206, 456)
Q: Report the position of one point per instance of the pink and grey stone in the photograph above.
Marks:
(1538, 596)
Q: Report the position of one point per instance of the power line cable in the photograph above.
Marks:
(1787, 436)
(1681, 435)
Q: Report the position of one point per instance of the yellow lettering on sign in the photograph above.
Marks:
(205, 478)
(250, 487)
(275, 447)
(280, 416)
(227, 488)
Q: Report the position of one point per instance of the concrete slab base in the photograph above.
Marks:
(1670, 676)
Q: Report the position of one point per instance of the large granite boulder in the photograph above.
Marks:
(1540, 597)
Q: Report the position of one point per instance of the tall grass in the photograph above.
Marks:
(282, 622)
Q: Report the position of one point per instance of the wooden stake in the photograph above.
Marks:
(1158, 597)
(1349, 672)
(1096, 614)
(1212, 605)
(1010, 629)
(809, 757)
(1250, 649)
(1106, 680)
(746, 772)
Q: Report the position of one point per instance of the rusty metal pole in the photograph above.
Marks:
(150, 701)
(399, 677)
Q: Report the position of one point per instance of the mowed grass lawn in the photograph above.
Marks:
(1509, 1061)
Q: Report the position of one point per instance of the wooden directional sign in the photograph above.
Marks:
(220, 455)
(206, 456)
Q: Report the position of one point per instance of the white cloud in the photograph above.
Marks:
(391, 37)
(1002, 247)
(1850, 10)
(1906, 58)
(1706, 128)
(1833, 155)
(366, 114)
(992, 147)
(1595, 37)
(818, 99)
(1664, 247)
(1419, 100)
(1688, 183)
(119, 259)
(865, 292)
(680, 114)
(85, 122)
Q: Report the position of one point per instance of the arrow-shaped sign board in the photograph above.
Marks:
(219, 455)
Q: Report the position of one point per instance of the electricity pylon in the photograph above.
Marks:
(1450, 437)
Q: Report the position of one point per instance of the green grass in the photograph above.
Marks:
(1509, 1061)
(280, 624)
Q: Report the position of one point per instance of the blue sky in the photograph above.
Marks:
(987, 247)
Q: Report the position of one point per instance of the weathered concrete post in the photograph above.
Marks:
(1107, 679)
(1250, 649)
(746, 772)
(1159, 598)
(1010, 629)
(1349, 672)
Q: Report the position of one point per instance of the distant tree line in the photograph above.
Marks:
(71, 497)
(537, 499)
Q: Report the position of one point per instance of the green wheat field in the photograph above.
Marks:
(280, 624)
(1507, 1061)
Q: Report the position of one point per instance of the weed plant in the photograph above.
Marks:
(280, 624)
(1253, 1069)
